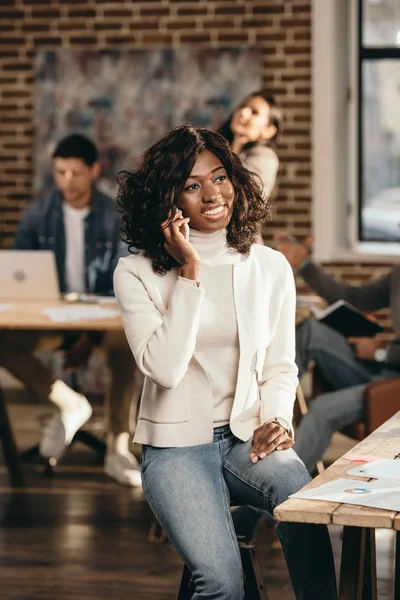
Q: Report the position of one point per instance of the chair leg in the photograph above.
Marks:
(9, 448)
(254, 586)
(157, 533)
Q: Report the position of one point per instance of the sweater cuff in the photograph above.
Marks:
(190, 282)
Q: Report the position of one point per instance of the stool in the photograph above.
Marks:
(254, 586)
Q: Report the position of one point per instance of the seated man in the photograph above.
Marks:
(81, 225)
(348, 365)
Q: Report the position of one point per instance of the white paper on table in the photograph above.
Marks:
(106, 299)
(79, 312)
(384, 468)
(382, 493)
(4, 307)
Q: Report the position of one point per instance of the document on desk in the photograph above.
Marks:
(4, 307)
(382, 493)
(66, 314)
(384, 468)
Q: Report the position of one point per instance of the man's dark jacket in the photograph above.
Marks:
(42, 228)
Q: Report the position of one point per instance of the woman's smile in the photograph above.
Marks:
(215, 213)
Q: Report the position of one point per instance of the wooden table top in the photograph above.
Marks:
(385, 443)
(28, 315)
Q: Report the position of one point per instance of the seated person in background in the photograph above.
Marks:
(348, 365)
(252, 131)
(81, 225)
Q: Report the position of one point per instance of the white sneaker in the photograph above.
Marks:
(124, 468)
(60, 430)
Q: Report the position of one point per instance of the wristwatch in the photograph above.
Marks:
(381, 355)
(282, 423)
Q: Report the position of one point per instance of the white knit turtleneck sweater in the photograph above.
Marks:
(217, 345)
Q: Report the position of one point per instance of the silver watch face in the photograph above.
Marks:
(380, 355)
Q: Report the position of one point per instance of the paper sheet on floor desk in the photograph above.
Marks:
(79, 313)
(382, 493)
(4, 307)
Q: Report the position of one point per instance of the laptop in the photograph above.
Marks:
(28, 275)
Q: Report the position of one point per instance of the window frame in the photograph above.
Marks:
(366, 53)
(337, 136)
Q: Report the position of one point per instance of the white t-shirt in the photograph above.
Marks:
(74, 226)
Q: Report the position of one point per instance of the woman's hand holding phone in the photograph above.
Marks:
(176, 233)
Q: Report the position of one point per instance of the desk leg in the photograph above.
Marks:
(397, 567)
(358, 565)
(9, 448)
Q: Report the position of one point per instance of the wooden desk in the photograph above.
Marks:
(358, 564)
(28, 316)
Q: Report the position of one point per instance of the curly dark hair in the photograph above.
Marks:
(275, 118)
(147, 197)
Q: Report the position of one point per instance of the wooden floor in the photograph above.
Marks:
(79, 535)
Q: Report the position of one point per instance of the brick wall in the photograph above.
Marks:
(282, 29)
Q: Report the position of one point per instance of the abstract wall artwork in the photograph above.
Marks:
(125, 100)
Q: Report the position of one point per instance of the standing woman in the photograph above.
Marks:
(252, 131)
(210, 321)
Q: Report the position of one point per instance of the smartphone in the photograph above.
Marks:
(186, 230)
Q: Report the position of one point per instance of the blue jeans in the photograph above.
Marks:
(190, 490)
(345, 374)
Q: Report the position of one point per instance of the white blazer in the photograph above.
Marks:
(161, 316)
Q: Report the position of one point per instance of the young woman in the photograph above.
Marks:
(252, 131)
(210, 321)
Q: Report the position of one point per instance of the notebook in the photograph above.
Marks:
(348, 320)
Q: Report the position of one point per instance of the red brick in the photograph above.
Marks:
(71, 26)
(36, 2)
(143, 25)
(302, 35)
(195, 38)
(35, 27)
(9, 54)
(47, 41)
(118, 12)
(297, 50)
(10, 14)
(155, 12)
(230, 10)
(48, 13)
(302, 64)
(82, 40)
(107, 26)
(180, 24)
(219, 24)
(87, 12)
(123, 39)
(233, 37)
(11, 41)
(303, 8)
(18, 67)
(265, 10)
(261, 23)
(295, 22)
(188, 11)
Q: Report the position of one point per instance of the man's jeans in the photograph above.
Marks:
(348, 376)
(190, 489)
